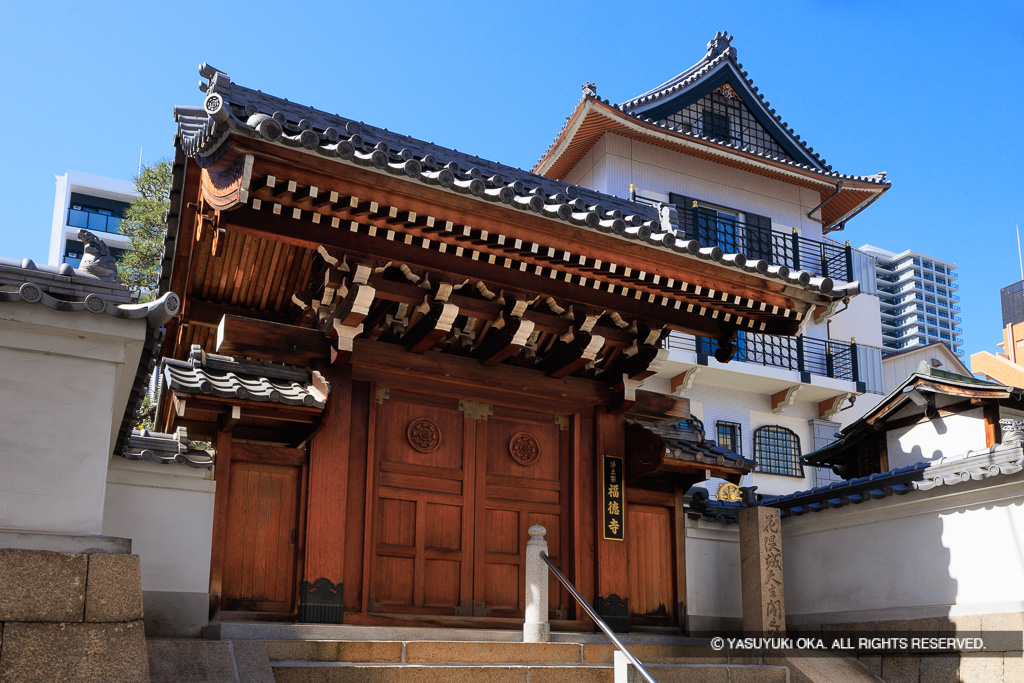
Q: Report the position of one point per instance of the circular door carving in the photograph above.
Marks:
(524, 449)
(423, 434)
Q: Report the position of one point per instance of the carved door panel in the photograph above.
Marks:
(421, 557)
(262, 522)
(650, 539)
(524, 460)
(457, 485)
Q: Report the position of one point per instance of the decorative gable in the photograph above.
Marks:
(716, 100)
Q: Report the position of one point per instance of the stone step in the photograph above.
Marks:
(485, 652)
(524, 673)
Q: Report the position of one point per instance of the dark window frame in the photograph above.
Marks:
(777, 451)
(736, 437)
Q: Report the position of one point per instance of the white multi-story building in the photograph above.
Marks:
(713, 153)
(92, 202)
(918, 297)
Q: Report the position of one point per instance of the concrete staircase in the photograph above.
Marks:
(302, 653)
(500, 662)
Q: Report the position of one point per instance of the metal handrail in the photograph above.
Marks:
(597, 620)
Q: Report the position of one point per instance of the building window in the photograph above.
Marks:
(777, 451)
(729, 436)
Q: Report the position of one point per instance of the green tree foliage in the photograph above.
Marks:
(144, 225)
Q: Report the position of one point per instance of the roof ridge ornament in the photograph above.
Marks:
(722, 42)
(589, 89)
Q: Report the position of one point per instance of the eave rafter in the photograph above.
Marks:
(708, 290)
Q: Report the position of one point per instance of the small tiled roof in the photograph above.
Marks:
(999, 460)
(62, 283)
(223, 376)
(685, 441)
(165, 449)
(230, 108)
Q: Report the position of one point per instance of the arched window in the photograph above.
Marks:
(777, 451)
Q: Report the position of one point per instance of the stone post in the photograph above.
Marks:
(764, 604)
(536, 628)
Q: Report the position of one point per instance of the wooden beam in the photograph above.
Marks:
(500, 384)
(229, 419)
(431, 328)
(209, 313)
(269, 455)
(992, 429)
(263, 340)
(623, 396)
(499, 219)
(503, 343)
(570, 355)
(309, 235)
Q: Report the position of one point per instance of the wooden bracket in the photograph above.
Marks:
(504, 342)
(784, 399)
(831, 406)
(623, 396)
(230, 419)
(684, 381)
(574, 352)
(431, 328)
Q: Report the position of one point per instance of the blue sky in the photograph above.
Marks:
(929, 92)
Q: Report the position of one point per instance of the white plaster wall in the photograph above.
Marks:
(899, 367)
(167, 511)
(64, 383)
(941, 437)
(953, 550)
(710, 403)
(712, 572)
(654, 169)
(861, 320)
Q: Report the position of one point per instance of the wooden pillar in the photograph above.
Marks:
(326, 511)
(221, 475)
(992, 430)
(612, 598)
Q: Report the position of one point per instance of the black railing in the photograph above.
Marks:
(825, 258)
(824, 357)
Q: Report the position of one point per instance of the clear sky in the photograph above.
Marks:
(929, 92)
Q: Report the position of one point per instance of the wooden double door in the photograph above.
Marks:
(455, 485)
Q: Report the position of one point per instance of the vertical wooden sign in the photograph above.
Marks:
(614, 502)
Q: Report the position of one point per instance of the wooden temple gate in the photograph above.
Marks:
(404, 365)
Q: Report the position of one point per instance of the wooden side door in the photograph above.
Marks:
(421, 559)
(525, 458)
(261, 533)
(651, 549)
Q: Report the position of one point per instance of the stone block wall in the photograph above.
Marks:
(71, 617)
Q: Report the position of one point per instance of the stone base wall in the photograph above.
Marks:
(939, 668)
(71, 617)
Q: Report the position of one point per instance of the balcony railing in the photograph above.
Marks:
(827, 259)
(823, 357)
(93, 221)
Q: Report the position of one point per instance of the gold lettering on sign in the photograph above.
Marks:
(614, 505)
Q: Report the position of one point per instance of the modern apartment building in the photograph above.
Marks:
(93, 202)
(918, 298)
(1011, 299)
(708, 149)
